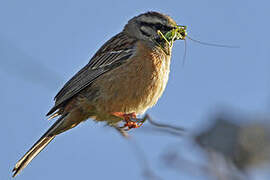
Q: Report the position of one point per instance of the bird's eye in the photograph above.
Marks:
(162, 27)
(157, 26)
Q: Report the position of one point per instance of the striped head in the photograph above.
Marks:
(155, 26)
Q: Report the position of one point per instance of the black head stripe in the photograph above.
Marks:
(158, 26)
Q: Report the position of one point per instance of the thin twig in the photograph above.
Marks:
(147, 172)
(152, 129)
(160, 125)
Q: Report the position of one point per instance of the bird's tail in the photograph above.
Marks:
(39, 146)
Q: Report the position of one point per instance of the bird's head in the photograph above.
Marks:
(157, 27)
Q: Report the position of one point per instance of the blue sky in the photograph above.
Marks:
(43, 43)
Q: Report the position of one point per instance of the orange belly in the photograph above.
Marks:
(134, 86)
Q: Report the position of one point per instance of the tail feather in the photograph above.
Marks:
(38, 146)
(31, 154)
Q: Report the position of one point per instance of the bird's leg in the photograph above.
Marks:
(131, 120)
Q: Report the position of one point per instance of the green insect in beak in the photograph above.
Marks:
(179, 32)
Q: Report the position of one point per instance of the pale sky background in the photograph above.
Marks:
(44, 43)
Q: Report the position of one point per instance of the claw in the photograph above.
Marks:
(131, 121)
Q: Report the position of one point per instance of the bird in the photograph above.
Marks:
(123, 79)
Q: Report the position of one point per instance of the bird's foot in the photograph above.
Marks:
(131, 120)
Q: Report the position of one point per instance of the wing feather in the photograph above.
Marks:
(112, 54)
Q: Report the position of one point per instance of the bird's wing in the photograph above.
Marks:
(112, 54)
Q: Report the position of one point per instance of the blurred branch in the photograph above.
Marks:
(146, 170)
